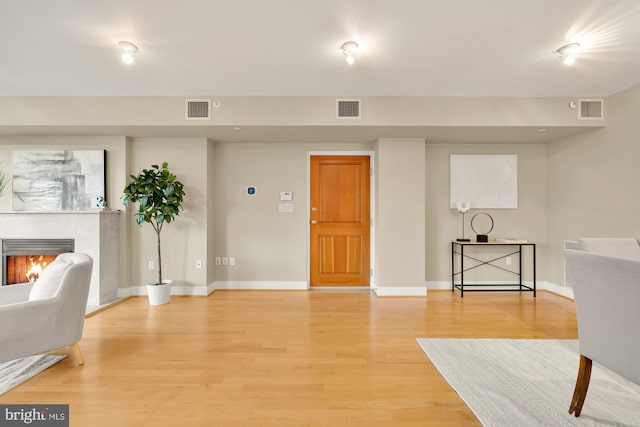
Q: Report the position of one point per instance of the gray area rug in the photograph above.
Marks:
(518, 382)
(17, 371)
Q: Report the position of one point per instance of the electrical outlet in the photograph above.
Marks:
(218, 260)
(232, 260)
(225, 260)
(151, 265)
(508, 260)
(198, 264)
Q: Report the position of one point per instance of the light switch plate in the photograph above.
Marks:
(285, 207)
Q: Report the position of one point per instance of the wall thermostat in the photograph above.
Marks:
(251, 191)
(286, 195)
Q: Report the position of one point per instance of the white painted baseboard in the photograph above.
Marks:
(211, 288)
(564, 291)
(383, 291)
(262, 285)
(92, 308)
(401, 291)
(175, 290)
(439, 284)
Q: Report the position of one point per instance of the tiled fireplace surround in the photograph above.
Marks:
(94, 232)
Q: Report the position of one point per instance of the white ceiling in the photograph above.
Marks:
(291, 47)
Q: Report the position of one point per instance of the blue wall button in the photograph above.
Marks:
(251, 191)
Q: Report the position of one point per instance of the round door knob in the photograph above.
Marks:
(314, 221)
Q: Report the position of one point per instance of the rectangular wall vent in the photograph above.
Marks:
(591, 109)
(198, 109)
(348, 108)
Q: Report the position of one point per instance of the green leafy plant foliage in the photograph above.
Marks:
(159, 196)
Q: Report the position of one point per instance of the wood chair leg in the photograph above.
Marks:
(582, 385)
(74, 352)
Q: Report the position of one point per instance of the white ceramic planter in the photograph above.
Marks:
(159, 294)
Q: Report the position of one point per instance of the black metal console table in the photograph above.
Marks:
(457, 248)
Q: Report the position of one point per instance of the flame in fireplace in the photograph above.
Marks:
(36, 269)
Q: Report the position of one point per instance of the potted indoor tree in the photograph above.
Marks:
(159, 196)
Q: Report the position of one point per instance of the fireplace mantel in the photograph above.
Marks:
(95, 233)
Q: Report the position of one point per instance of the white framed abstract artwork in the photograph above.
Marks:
(485, 181)
(58, 180)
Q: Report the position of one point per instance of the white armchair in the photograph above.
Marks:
(607, 292)
(619, 247)
(50, 315)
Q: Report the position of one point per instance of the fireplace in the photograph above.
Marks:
(24, 259)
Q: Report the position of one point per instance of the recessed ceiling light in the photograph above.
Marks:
(567, 52)
(349, 50)
(129, 51)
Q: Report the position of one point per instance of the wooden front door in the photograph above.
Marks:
(339, 220)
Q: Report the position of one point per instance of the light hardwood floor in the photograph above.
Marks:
(290, 358)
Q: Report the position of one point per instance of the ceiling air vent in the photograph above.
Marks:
(591, 109)
(348, 109)
(198, 109)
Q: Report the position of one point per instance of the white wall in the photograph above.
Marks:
(400, 213)
(168, 111)
(185, 240)
(116, 155)
(211, 203)
(443, 224)
(582, 185)
(593, 178)
(267, 245)
(116, 171)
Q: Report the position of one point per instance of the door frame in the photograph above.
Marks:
(371, 155)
